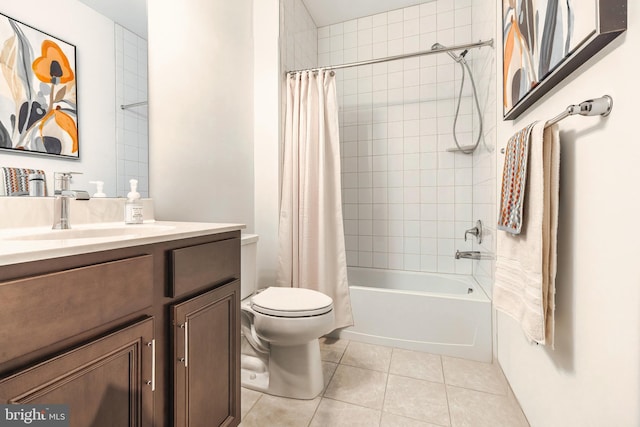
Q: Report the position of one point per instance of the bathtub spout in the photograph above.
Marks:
(468, 255)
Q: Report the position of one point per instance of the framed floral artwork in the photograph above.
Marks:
(546, 40)
(38, 108)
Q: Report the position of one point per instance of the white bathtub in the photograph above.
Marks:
(436, 313)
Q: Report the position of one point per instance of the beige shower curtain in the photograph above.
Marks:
(311, 236)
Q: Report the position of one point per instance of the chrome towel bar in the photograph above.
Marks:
(592, 107)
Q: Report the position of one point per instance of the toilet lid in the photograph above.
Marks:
(291, 302)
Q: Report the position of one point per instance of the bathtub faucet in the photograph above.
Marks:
(475, 231)
(468, 254)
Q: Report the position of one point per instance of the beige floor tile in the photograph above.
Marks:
(248, 398)
(391, 420)
(332, 349)
(359, 386)
(415, 364)
(474, 375)
(332, 413)
(367, 356)
(281, 412)
(328, 369)
(417, 399)
(470, 408)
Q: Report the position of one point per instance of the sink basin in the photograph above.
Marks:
(118, 232)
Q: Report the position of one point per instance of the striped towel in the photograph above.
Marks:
(15, 180)
(514, 179)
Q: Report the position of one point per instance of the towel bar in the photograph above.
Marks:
(592, 107)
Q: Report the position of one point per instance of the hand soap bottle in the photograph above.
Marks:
(133, 205)
(99, 189)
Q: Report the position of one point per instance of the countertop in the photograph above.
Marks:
(18, 245)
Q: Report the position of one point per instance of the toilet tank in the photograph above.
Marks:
(248, 250)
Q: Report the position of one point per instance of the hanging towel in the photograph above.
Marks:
(14, 180)
(526, 262)
(514, 179)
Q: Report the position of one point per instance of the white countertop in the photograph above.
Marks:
(18, 245)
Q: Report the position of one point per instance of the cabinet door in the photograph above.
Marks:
(207, 358)
(107, 382)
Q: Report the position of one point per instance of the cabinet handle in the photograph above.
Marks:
(152, 383)
(186, 344)
(185, 359)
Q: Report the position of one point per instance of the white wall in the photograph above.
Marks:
(484, 158)
(201, 110)
(285, 39)
(266, 135)
(93, 36)
(592, 378)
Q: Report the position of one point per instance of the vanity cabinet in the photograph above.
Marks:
(107, 382)
(205, 328)
(101, 332)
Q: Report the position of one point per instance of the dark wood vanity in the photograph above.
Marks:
(143, 335)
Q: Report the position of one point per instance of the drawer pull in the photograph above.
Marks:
(152, 383)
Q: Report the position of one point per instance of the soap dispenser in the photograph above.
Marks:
(99, 188)
(133, 205)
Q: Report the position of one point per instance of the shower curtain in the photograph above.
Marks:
(311, 236)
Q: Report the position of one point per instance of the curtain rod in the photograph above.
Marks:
(136, 104)
(408, 55)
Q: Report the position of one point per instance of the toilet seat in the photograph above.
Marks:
(291, 302)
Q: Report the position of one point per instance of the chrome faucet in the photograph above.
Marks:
(475, 231)
(61, 201)
(468, 255)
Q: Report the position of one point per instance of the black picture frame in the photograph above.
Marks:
(41, 115)
(611, 21)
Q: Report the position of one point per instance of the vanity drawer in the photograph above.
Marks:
(42, 310)
(200, 266)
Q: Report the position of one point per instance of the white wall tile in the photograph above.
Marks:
(413, 197)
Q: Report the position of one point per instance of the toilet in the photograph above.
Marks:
(282, 327)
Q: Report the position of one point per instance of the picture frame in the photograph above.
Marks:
(38, 92)
(544, 41)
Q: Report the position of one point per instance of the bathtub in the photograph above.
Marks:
(436, 313)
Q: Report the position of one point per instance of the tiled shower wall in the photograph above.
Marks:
(484, 159)
(407, 201)
(132, 145)
(298, 37)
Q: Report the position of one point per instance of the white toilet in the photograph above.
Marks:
(282, 325)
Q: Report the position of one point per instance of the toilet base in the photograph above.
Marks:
(294, 371)
(253, 373)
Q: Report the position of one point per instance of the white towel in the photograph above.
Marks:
(526, 263)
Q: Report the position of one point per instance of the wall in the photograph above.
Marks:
(592, 378)
(484, 158)
(298, 37)
(201, 110)
(93, 36)
(267, 80)
(132, 124)
(285, 39)
(407, 202)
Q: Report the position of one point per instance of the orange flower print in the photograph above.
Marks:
(65, 122)
(53, 66)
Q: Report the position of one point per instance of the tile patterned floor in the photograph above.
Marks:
(369, 385)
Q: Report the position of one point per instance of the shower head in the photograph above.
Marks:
(457, 58)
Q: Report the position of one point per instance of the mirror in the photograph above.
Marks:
(132, 140)
(111, 57)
